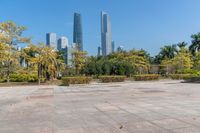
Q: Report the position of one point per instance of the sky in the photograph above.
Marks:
(139, 24)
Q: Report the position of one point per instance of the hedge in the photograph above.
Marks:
(107, 79)
(66, 81)
(23, 78)
(146, 77)
(192, 78)
(178, 76)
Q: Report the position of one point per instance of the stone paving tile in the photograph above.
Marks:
(171, 123)
(144, 127)
(187, 130)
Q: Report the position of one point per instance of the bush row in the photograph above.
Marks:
(23, 78)
(66, 81)
(107, 79)
(192, 78)
(178, 76)
(146, 77)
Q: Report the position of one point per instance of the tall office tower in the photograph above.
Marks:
(78, 34)
(62, 43)
(51, 40)
(63, 46)
(113, 46)
(99, 51)
(106, 34)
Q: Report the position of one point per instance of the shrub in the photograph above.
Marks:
(178, 76)
(66, 81)
(23, 78)
(146, 77)
(192, 78)
(107, 79)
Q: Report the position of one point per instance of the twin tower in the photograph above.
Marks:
(107, 46)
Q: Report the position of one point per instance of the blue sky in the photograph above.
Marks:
(147, 24)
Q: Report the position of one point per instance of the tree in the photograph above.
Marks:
(9, 57)
(79, 60)
(195, 46)
(11, 33)
(182, 45)
(197, 61)
(168, 51)
(44, 59)
(182, 60)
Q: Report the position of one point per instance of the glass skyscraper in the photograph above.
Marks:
(63, 46)
(106, 34)
(77, 34)
(51, 40)
(62, 43)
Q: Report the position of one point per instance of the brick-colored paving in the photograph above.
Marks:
(130, 107)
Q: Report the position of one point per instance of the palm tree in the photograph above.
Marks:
(167, 52)
(182, 45)
(44, 59)
(195, 46)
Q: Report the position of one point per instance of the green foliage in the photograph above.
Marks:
(119, 63)
(146, 77)
(23, 78)
(66, 81)
(167, 52)
(178, 76)
(78, 60)
(107, 79)
(192, 78)
(182, 61)
(195, 46)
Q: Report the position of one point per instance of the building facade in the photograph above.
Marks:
(99, 51)
(63, 46)
(62, 43)
(113, 46)
(51, 40)
(106, 34)
(77, 33)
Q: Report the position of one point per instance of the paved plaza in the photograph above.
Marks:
(129, 107)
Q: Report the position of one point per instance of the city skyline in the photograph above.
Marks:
(136, 24)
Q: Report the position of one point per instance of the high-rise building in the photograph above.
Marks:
(113, 46)
(63, 46)
(106, 34)
(77, 34)
(51, 40)
(99, 51)
(62, 43)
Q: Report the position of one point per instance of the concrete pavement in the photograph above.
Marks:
(129, 107)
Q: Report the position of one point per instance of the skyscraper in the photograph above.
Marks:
(77, 34)
(113, 46)
(51, 40)
(99, 51)
(62, 43)
(106, 34)
(63, 46)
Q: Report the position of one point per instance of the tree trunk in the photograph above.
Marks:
(38, 74)
(8, 73)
